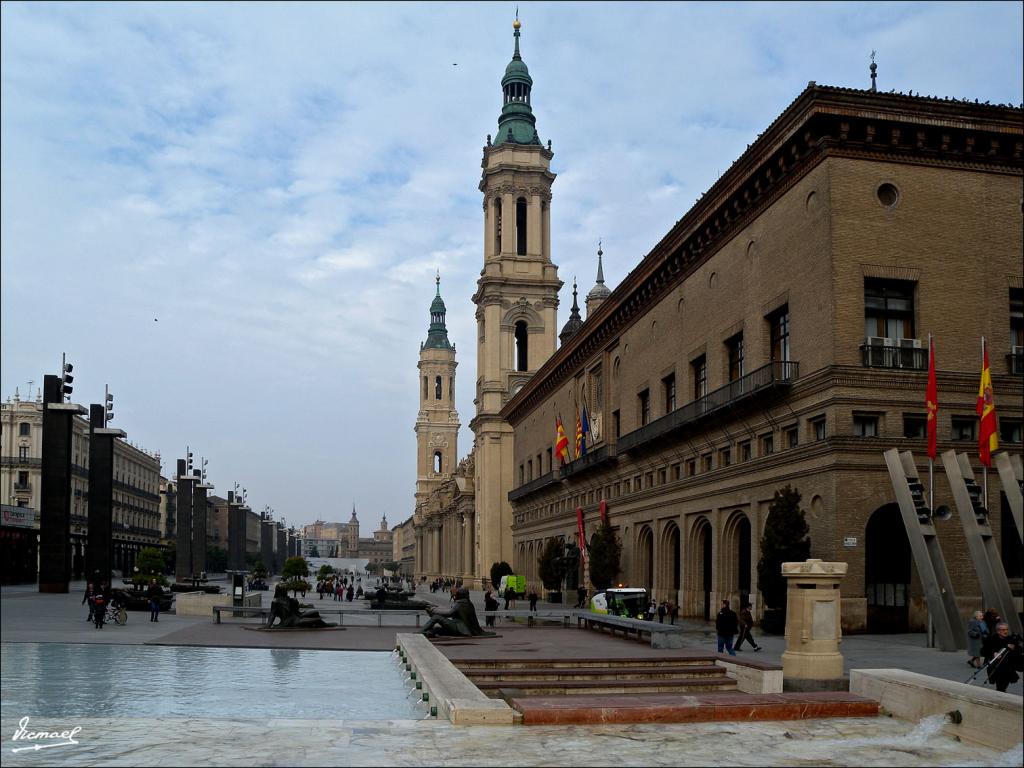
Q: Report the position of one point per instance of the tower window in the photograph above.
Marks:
(521, 346)
(24, 429)
(497, 225)
(451, 388)
(437, 387)
(424, 387)
(521, 226)
(437, 462)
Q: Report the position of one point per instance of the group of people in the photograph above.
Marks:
(339, 590)
(661, 610)
(991, 646)
(102, 596)
(440, 585)
(728, 624)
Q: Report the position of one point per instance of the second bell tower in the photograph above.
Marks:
(516, 298)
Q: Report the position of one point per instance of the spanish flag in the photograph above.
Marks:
(561, 442)
(988, 437)
(932, 402)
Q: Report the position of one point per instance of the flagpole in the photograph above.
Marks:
(931, 461)
(984, 467)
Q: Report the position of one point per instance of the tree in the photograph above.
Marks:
(785, 540)
(325, 572)
(149, 565)
(216, 559)
(294, 568)
(605, 557)
(259, 570)
(372, 567)
(549, 564)
(498, 570)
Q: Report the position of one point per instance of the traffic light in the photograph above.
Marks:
(108, 413)
(65, 380)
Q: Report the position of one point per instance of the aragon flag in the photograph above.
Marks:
(932, 403)
(988, 437)
(561, 442)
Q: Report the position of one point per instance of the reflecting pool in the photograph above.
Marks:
(91, 680)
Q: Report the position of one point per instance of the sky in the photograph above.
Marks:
(232, 214)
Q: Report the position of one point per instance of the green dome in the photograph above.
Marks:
(517, 125)
(437, 334)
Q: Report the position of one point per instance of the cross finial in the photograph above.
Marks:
(874, 69)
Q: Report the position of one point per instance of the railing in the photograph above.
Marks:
(15, 461)
(894, 356)
(775, 374)
(1015, 363)
(534, 485)
(23, 486)
(592, 459)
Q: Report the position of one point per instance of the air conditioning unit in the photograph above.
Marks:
(1017, 350)
(878, 351)
(911, 344)
(878, 341)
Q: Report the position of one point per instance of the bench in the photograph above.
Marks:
(564, 616)
(264, 613)
(660, 635)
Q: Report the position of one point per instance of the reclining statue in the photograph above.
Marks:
(287, 610)
(458, 621)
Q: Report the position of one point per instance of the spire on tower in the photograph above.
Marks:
(575, 321)
(437, 335)
(517, 125)
(600, 291)
(874, 69)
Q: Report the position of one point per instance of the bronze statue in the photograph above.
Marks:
(287, 610)
(458, 621)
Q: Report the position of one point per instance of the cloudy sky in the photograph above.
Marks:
(232, 213)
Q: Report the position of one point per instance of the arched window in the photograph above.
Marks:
(437, 462)
(451, 388)
(497, 225)
(437, 387)
(425, 388)
(521, 226)
(521, 346)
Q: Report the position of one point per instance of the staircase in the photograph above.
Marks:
(562, 677)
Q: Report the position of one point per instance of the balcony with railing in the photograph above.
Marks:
(551, 478)
(23, 487)
(881, 352)
(1015, 361)
(775, 375)
(589, 460)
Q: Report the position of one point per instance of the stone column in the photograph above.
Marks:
(813, 620)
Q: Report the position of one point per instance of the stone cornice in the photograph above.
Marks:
(822, 122)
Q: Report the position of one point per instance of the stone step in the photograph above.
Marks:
(684, 708)
(613, 663)
(514, 688)
(596, 673)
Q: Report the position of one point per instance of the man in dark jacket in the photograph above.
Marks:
(746, 625)
(726, 624)
(155, 595)
(1003, 672)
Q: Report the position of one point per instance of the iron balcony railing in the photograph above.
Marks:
(889, 353)
(534, 485)
(588, 460)
(1015, 363)
(776, 374)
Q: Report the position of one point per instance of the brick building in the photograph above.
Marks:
(778, 334)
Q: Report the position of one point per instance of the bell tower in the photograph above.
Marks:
(516, 298)
(437, 423)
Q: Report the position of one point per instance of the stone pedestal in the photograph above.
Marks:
(813, 620)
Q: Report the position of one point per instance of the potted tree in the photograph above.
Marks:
(549, 568)
(294, 575)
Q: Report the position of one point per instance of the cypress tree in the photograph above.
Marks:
(785, 540)
(605, 557)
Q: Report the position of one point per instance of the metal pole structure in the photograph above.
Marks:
(984, 468)
(1012, 477)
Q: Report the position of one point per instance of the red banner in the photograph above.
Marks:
(579, 530)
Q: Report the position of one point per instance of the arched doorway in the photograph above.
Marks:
(698, 569)
(887, 571)
(736, 564)
(645, 558)
(670, 562)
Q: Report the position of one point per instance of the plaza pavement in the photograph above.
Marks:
(28, 616)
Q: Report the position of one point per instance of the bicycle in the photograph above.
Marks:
(117, 614)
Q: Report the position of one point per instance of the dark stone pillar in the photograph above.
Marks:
(55, 489)
(236, 534)
(281, 551)
(100, 547)
(267, 545)
(199, 514)
(183, 562)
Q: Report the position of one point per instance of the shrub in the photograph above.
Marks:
(549, 564)
(498, 570)
(605, 557)
(785, 540)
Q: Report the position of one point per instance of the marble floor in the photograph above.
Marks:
(284, 742)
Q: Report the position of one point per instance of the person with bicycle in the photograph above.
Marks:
(90, 593)
(155, 595)
(100, 599)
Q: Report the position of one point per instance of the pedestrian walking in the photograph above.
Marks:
(1003, 670)
(662, 610)
(992, 618)
(155, 594)
(350, 593)
(977, 634)
(581, 596)
(90, 593)
(746, 624)
(533, 599)
(726, 623)
(652, 608)
(99, 606)
(490, 604)
(673, 611)
(510, 596)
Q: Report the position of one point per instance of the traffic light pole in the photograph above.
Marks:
(55, 488)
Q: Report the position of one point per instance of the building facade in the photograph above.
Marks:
(136, 498)
(778, 334)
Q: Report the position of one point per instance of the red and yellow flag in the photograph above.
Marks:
(988, 437)
(579, 432)
(932, 403)
(561, 442)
